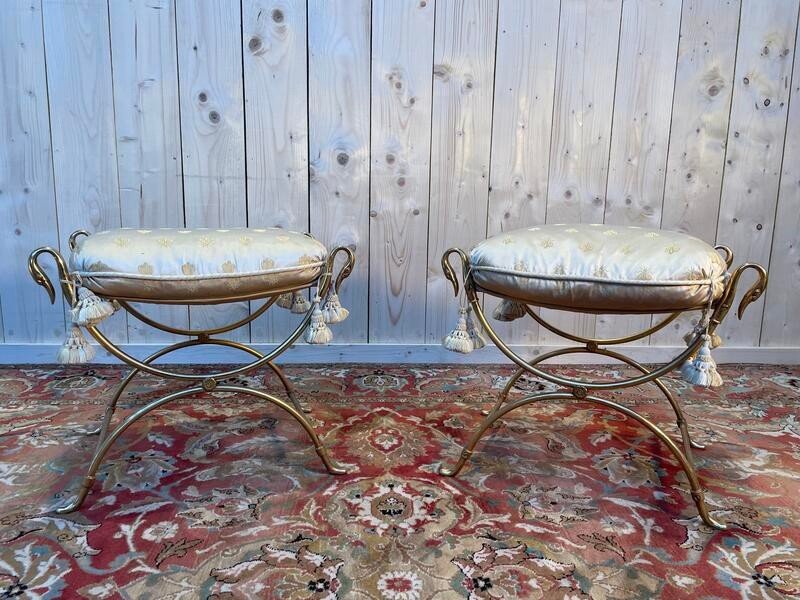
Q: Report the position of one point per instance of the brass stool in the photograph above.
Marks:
(108, 270)
(601, 269)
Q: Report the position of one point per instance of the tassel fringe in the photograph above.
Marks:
(90, 309)
(76, 349)
(509, 310)
(459, 339)
(318, 331)
(702, 369)
(285, 301)
(474, 331)
(332, 310)
(300, 304)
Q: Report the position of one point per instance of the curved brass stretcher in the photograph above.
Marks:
(586, 391)
(198, 383)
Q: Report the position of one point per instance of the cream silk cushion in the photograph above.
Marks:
(197, 265)
(600, 268)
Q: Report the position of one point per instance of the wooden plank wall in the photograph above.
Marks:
(401, 128)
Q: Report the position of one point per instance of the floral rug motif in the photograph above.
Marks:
(222, 496)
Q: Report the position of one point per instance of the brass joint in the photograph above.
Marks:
(591, 346)
(697, 495)
(209, 383)
(579, 392)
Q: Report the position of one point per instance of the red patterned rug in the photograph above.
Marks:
(223, 497)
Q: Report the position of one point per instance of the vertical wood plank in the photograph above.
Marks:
(755, 145)
(212, 130)
(27, 200)
(402, 53)
(700, 109)
(339, 85)
(463, 89)
(781, 326)
(648, 50)
(527, 38)
(276, 100)
(144, 63)
(82, 123)
(584, 100)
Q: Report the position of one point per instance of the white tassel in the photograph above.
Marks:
(332, 310)
(509, 310)
(89, 309)
(285, 301)
(76, 349)
(474, 330)
(702, 370)
(300, 304)
(318, 331)
(459, 339)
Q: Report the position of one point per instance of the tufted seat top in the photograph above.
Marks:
(600, 268)
(197, 265)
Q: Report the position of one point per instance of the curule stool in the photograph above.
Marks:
(601, 269)
(110, 269)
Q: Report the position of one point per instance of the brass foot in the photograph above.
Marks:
(456, 469)
(335, 469)
(332, 467)
(702, 508)
(449, 472)
(77, 502)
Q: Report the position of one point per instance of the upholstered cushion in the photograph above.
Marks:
(600, 268)
(198, 265)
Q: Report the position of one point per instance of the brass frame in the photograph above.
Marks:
(582, 390)
(207, 381)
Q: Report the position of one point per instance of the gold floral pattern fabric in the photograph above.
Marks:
(600, 268)
(196, 265)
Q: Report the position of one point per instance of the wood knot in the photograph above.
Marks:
(442, 72)
(202, 97)
(255, 43)
(214, 117)
(390, 159)
(342, 158)
(277, 15)
(713, 90)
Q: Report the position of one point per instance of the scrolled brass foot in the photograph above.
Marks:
(336, 470)
(705, 515)
(456, 469)
(332, 467)
(77, 502)
(449, 472)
